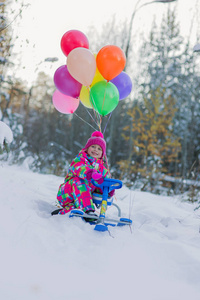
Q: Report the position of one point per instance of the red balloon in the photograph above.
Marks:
(73, 39)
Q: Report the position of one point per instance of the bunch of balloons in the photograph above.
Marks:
(97, 80)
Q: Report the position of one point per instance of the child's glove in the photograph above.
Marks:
(111, 194)
(97, 177)
(93, 174)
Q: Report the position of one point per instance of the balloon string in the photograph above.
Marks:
(107, 166)
(104, 96)
(90, 114)
(103, 101)
(84, 121)
(107, 122)
(92, 117)
(98, 121)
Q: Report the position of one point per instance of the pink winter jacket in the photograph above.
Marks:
(82, 163)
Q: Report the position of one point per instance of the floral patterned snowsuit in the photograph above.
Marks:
(76, 191)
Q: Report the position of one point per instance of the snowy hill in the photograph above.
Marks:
(48, 257)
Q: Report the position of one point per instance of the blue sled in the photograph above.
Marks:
(101, 222)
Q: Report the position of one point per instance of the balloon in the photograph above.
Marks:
(64, 103)
(97, 77)
(123, 84)
(85, 97)
(110, 61)
(81, 64)
(65, 83)
(104, 97)
(85, 94)
(73, 39)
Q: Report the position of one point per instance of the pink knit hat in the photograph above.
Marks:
(97, 139)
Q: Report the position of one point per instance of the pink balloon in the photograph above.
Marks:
(81, 64)
(64, 103)
(65, 83)
(73, 39)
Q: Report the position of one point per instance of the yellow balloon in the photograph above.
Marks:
(97, 77)
(85, 97)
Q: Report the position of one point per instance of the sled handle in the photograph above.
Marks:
(111, 184)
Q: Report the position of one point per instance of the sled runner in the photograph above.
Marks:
(102, 201)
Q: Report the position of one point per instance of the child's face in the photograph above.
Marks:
(95, 151)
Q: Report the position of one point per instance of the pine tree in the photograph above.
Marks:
(154, 146)
(5, 47)
(168, 62)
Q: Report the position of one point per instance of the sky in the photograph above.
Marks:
(44, 22)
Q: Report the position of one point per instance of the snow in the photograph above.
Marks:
(5, 133)
(48, 257)
(196, 48)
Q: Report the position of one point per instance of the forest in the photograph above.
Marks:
(153, 137)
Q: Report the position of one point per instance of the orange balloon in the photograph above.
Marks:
(110, 61)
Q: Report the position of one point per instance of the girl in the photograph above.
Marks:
(76, 191)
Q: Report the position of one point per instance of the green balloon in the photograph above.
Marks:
(104, 97)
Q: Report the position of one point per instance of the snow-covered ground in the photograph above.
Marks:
(48, 257)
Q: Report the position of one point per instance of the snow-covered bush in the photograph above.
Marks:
(6, 137)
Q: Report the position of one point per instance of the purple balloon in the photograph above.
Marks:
(65, 83)
(123, 84)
